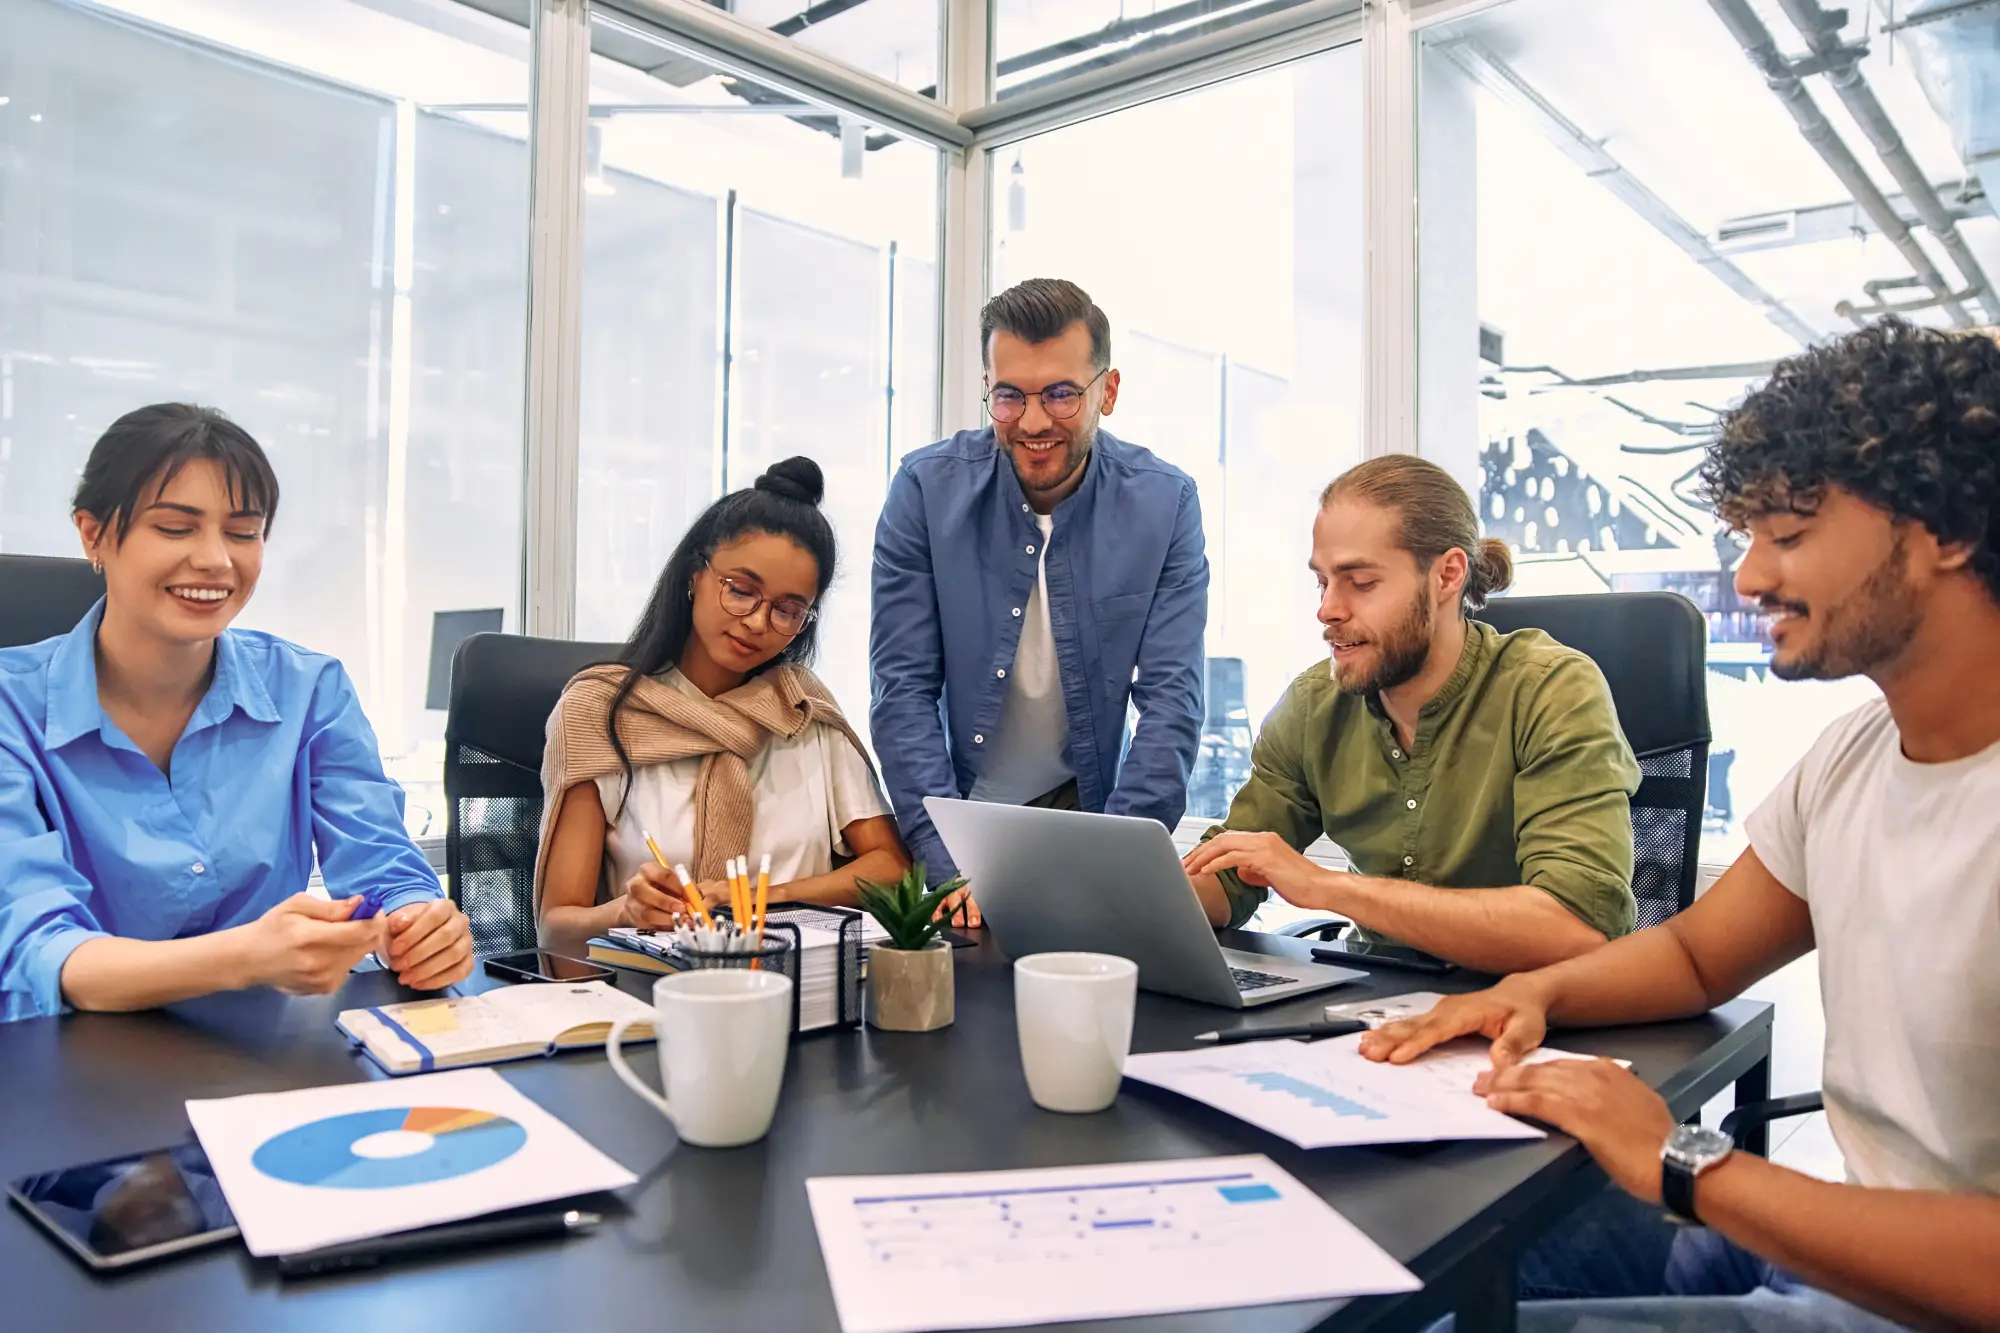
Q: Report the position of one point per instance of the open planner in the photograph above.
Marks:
(510, 1023)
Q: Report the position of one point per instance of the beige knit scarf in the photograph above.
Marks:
(658, 724)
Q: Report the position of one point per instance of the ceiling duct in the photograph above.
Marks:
(1787, 82)
(1822, 33)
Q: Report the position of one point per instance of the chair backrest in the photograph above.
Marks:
(1652, 648)
(42, 596)
(503, 688)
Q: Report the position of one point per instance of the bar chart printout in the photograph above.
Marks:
(1006, 1248)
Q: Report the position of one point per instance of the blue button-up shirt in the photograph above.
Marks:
(94, 840)
(955, 560)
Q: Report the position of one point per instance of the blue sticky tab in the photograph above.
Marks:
(1259, 1193)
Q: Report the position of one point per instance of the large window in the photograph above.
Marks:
(1610, 254)
(1040, 42)
(760, 281)
(1221, 232)
(267, 212)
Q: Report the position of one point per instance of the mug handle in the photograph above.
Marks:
(614, 1051)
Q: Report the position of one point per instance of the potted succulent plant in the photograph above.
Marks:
(909, 976)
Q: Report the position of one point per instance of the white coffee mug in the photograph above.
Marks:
(1074, 1015)
(723, 1036)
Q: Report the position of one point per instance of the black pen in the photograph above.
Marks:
(1310, 1031)
(454, 1236)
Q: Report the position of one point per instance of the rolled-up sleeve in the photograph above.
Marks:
(44, 902)
(1573, 798)
(1278, 798)
(357, 812)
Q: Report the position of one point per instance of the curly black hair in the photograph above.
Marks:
(1903, 417)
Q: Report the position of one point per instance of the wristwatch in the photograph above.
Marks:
(1689, 1151)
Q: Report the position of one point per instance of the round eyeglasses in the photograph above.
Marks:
(789, 615)
(1060, 401)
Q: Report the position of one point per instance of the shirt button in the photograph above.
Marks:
(979, 740)
(1001, 674)
(1395, 754)
(1409, 860)
(1031, 550)
(1411, 804)
(199, 868)
(1024, 509)
(1017, 613)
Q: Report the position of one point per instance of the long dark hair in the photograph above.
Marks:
(783, 502)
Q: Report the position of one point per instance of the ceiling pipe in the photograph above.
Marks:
(1822, 33)
(1757, 43)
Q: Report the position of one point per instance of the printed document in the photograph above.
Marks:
(1324, 1094)
(999, 1249)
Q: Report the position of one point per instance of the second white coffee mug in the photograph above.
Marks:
(723, 1037)
(1074, 1015)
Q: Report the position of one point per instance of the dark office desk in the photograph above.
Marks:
(722, 1239)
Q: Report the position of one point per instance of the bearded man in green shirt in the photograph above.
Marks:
(1478, 781)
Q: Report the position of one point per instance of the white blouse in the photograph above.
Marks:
(807, 790)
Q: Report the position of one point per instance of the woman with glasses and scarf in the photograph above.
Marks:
(712, 736)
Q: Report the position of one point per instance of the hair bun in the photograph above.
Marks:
(795, 479)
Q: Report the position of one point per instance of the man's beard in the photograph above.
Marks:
(1399, 656)
(1869, 627)
(1075, 454)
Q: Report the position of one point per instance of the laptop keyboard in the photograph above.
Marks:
(1248, 980)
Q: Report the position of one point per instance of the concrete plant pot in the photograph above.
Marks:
(910, 990)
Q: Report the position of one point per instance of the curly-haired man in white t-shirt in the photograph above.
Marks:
(1866, 473)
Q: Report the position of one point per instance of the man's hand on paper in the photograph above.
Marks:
(1599, 1103)
(1511, 1015)
(1262, 859)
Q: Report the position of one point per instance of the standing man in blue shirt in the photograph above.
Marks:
(1033, 581)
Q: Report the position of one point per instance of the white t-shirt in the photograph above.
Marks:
(1029, 757)
(807, 790)
(1900, 864)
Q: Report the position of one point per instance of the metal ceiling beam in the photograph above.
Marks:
(1494, 75)
(1820, 223)
(732, 46)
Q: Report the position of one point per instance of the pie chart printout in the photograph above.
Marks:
(389, 1148)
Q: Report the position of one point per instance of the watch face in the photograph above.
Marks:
(1696, 1147)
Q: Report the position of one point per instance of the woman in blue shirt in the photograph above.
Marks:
(165, 780)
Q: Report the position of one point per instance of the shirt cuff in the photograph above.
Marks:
(397, 899)
(1244, 899)
(45, 964)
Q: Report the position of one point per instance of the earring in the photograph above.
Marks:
(97, 566)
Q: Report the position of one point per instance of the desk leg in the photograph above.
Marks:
(1486, 1302)
(1755, 1086)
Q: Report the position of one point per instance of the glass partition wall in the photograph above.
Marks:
(1542, 241)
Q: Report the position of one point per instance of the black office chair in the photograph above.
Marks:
(503, 688)
(1652, 648)
(42, 596)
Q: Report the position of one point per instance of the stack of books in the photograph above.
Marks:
(817, 973)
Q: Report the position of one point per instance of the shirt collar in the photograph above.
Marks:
(74, 710)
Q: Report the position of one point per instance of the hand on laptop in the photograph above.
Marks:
(1260, 859)
(960, 910)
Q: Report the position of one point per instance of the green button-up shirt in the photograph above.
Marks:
(1518, 774)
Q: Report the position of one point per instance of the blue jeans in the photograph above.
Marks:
(1618, 1266)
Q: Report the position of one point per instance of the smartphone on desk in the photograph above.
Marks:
(541, 965)
(130, 1210)
(1350, 953)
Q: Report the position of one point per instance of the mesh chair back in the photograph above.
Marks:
(1652, 648)
(42, 596)
(503, 688)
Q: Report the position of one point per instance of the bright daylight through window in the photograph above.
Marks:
(1237, 329)
(1622, 227)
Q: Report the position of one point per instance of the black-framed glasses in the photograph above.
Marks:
(789, 615)
(1061, 401)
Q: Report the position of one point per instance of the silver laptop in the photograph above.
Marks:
(1049, 880)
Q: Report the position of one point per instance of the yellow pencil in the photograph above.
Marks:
(692, 898)
(763, 896)
(739, 892)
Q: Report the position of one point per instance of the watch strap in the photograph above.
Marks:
(1677, 1189)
